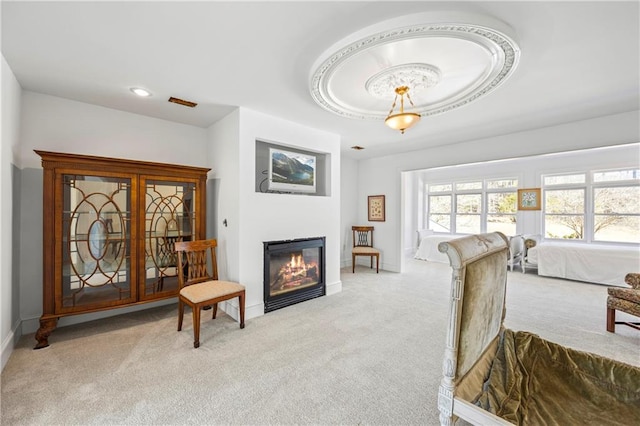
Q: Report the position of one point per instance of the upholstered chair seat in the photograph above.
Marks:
(208, 290)
(625, 300)
(199, 284)
(365, 250)
(363, 246)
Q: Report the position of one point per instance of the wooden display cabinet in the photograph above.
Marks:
(109, 230)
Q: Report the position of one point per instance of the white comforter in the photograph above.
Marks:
(428, 249)
(586, 262)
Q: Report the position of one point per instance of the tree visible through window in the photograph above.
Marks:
(601, 206)
(473, 207)
(564, 213)
(617, 214)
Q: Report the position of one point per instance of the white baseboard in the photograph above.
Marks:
(230, 307)
(31, 325)
(9, 343)
(334, 288)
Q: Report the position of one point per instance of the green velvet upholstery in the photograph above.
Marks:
(493, 375)
(536, 382)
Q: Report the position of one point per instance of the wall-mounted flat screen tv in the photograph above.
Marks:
(291, 171)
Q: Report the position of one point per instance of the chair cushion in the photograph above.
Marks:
(209, 290)
(365, 250)
(630, 294)
(632, 308)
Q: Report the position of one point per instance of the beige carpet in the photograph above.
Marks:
(368, 355)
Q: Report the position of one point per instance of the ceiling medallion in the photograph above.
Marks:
(416, 77)
(445, 64)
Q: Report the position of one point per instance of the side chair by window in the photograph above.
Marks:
(363, 246)
(198, 287)
(530, 241)
(516, 251)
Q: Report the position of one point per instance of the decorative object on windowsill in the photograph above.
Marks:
(402, 120)
(376, 208)
(529, 199)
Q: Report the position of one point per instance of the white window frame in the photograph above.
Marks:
(589, 187)
(454, 192)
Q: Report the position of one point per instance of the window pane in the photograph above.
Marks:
(616, 175)
(622, 199)
(505, 223)
(501, 202)
(564, 179)
(468, 185)
(467, 224)
(617, 228)
(564, 201)
(440, 223)
(440, 204)
(502, 183)
(568, 227)
(468, 203)
(440, 188)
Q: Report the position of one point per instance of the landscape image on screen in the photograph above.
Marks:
(291, 170)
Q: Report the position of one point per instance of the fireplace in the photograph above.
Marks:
(294, 271)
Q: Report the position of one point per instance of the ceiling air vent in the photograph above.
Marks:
(182, 102)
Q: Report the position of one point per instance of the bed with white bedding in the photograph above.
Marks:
(428, 247)
(593, 263)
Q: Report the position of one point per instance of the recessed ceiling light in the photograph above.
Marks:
(140, 92)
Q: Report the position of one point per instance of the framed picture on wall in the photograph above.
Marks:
(376, 208)
(529, 199)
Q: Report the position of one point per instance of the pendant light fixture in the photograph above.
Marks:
(402, 120)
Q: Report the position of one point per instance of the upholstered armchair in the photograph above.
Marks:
(626, 300)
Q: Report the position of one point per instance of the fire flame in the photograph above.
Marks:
(297, 264)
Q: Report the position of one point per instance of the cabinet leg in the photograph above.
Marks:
(47, 325)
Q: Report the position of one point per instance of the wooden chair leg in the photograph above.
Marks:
(611, 320)
(214, 308)
(196, 325)
(241, 307)
(377, 263)
(180, 314)
(353, 263)
(371, 262)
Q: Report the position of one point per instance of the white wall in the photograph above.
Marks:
(528, 171)
(383, 175)
(224, 160)
(349, 203)
(9, 214)
(54, 124)
(255, 217)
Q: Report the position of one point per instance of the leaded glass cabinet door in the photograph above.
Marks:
(170, 216)
(96, 242)
(108, 232)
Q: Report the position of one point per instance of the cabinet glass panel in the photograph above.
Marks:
(170, 217)
(96, 240)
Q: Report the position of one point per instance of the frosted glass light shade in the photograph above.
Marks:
(402, 121)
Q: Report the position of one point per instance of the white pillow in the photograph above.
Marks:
(423, 233)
